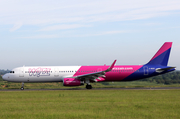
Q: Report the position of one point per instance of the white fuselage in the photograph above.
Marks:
(41, 73)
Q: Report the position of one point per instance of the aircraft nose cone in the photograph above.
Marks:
(4, 77)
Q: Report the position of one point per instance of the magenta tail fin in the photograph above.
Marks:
(162, 56)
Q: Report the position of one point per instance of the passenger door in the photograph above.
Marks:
(21, 72)
(56, 72)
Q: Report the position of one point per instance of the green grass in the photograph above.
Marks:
(83, 104)
(132, 84)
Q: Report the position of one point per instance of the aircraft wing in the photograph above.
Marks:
(96, 75)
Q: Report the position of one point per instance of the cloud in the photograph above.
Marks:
(41, 36)
(73, 34)
(63, 26)
(103, 33)
(46, 12)
(115, 32)
(16, 26)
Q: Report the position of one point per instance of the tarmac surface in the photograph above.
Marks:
(153, 88)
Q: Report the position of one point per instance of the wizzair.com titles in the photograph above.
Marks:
(123, 68)
(39, 71)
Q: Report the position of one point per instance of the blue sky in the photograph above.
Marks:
(91, 32)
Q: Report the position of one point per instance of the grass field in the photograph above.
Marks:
(83, 104)
(59, 85)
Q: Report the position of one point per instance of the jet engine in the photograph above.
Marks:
(72, 82)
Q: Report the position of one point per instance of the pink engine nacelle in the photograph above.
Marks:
(72, 82)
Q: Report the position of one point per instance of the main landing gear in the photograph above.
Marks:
(22, 86)
(88, 86)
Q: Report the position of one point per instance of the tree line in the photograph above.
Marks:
(168, 78)
(2, 72)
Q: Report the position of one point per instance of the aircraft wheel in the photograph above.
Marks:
(88, 87)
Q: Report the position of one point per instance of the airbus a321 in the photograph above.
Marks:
(80, 75)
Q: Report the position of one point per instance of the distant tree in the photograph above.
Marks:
(1, 78)
(162, 81)
(168, 78)
(158, 81)
(2, 72)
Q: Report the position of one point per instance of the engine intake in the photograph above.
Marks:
(72, 82)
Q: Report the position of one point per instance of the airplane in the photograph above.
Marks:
(80, 75)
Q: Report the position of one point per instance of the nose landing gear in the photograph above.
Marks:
(22, 86)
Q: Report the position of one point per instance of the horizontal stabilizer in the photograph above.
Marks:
(164, 69)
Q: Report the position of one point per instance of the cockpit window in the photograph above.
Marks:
(11, 72)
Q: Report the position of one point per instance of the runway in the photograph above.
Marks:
(151, 88)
